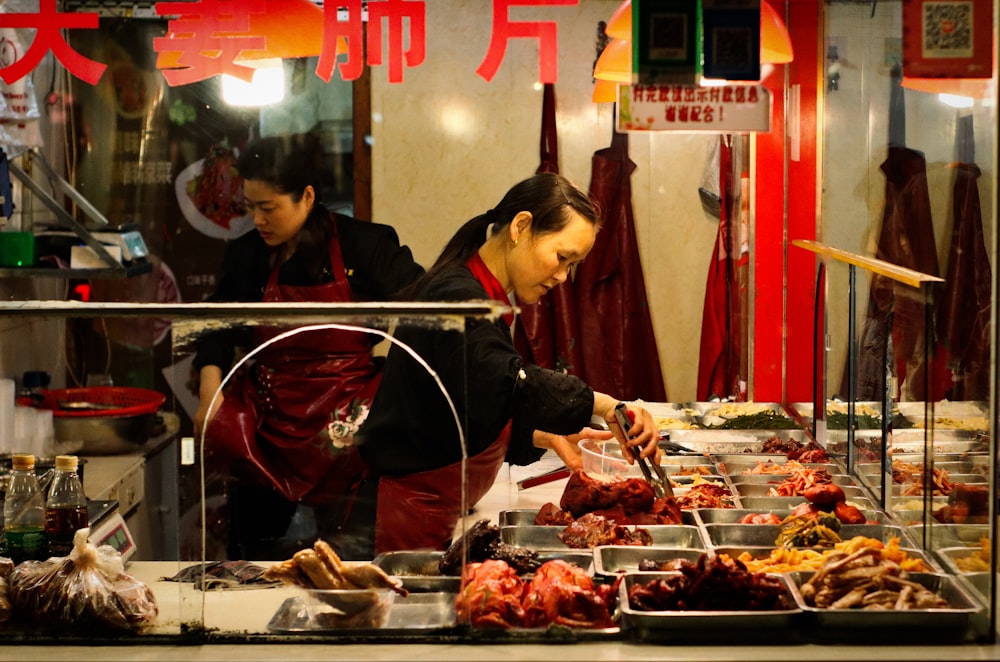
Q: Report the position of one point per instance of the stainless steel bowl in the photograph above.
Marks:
(105, 435)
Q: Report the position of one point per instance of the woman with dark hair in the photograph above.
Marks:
(270, 432)
(513, 411)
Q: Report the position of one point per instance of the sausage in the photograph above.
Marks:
(315, 569)
(825, 496)
(848, 514)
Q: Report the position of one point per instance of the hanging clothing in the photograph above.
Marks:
(906, 239)
(616, 329)
(964, 307)
(546, 332)
(718, 365)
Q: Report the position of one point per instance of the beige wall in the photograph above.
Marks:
(447, 145)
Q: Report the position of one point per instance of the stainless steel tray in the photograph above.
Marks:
(788, 503)
(418, 570)
(852, 492)
(773, 479)
(417, 611)
(696, 624)
(736, 469)
(731, 515)
(956, 617)
(952, 535)
(526, 517)
(949, 557)
(763, 552)
(610, 560)
(764, 535)
(979, 584)
(547, 537)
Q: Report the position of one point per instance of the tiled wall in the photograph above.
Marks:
(448, 144)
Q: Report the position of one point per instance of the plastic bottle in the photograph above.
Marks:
(65, 507)
(24, 511)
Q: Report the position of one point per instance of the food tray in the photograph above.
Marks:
(418, 570)
(764, 535)
(950, 555)
(717, 441)
(526, 517)
(417, 611)
(763, 552)
(672, 463)
(731, 515)
(547, 537)
(979, 584)
(933, 624)
(951, 535)
(788, 503)
(735, 469)
(707, 626)
(952, 409)
(852, 492)
(773, 479)
(610, 560)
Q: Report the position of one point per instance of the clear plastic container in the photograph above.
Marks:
(24, 512)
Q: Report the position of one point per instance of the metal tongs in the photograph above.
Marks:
(651, 471)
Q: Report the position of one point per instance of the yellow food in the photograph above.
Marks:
(978, 561)
(793, 559)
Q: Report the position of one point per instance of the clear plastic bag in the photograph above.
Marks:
(89, 588)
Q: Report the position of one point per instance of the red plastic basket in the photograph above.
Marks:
(109, 401)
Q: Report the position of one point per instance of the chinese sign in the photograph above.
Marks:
(210, 37)
(689, 108)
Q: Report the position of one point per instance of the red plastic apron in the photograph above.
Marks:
(270, 429)
(420, 511)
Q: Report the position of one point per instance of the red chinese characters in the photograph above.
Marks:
(391, 12)
(504, 29)
(209, 34)
(49, 23)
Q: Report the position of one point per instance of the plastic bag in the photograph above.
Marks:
(89, 588)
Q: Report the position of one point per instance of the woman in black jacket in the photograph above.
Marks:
(526, 245)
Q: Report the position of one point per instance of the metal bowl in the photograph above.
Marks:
(105, 435)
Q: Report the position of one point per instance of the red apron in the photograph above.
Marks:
(270, 429)
(420, 511)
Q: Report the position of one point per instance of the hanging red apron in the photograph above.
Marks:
(420, 511)
(270, 429)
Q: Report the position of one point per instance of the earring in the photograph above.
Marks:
(515, 243)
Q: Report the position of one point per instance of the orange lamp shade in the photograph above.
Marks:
(620, 24)
(605, 91)
(775, 44)
(615, 62)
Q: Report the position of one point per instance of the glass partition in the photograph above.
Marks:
(198, 583)
(925, 458)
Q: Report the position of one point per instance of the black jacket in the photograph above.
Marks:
(377, 267)
(411, 428)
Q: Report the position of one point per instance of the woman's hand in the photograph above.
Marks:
(210, 379)
(566, 446)
(642, 438)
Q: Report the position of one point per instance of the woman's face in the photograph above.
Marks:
(540, 262)
(277, 216)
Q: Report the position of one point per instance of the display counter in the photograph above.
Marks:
(244, 614)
